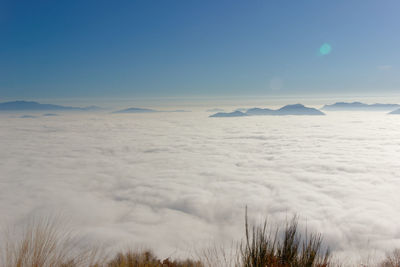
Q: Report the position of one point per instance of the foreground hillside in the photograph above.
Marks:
(45, 243)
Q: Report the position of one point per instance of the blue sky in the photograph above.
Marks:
(166, 48)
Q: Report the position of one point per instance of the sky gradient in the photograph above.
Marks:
(67, 49)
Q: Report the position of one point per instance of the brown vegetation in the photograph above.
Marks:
(147, 259)
(44, 244)
(262, 248)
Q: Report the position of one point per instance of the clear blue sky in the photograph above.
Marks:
(158, 48)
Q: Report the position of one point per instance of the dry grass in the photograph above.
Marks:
(392, 259)
(265, 248)
(45, 243)
(224, 256)
(147, 259)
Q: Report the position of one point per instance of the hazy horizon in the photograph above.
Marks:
(198, 103)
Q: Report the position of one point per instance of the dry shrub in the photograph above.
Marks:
(47, 243)
(44, 243)
(147, 259)
(262, 248)
(221, 256)
(392, 259)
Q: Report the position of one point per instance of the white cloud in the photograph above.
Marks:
(178, 181)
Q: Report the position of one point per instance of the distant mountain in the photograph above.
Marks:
(27, 117)
(231, 114)
(397, 111)
(146, 110)
(178, 110)
(260, 111)
(136, 110)
(35, 106)
(297, 109)
(360, 106)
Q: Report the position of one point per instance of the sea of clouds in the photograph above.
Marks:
(177, 182)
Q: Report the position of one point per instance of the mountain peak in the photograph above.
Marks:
(236, 113)
(295, 109)
(292, 106)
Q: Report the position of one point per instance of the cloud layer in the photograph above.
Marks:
(179, 181)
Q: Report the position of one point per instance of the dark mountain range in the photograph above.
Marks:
(360, 106)
(296, 109)
(35, 106)
(230, 114)
(397, 111)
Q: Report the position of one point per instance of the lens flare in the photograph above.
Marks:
(325, 49)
